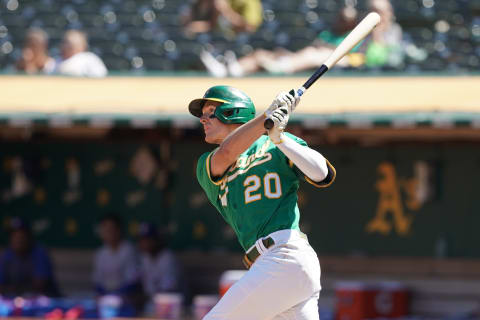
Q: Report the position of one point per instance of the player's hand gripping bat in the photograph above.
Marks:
(354, 37)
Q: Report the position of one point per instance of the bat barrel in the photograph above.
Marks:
(354, 37)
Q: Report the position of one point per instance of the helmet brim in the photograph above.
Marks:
(196, 105)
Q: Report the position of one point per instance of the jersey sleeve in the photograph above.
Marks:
(332, 173)
(208, 184)
(321, 184)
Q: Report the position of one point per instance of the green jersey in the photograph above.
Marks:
(257, 195)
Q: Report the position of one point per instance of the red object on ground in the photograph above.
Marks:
(55, 314)
(358, 301)
(73, 313)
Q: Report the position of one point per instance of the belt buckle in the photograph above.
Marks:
(247, 262)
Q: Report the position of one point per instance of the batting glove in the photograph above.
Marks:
(289, 99)
(294, 98)
(280, 119)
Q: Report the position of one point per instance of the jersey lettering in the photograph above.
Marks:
(267, 182)
(244, 162)
(267, 157)
(252, 184)
(223, 197)
(272, 188)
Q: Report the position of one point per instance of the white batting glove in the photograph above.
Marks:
(280, 118)
(284, 99)
(295, 100)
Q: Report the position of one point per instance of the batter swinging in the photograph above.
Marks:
(252, 180)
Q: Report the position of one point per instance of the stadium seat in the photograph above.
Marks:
(121, 29)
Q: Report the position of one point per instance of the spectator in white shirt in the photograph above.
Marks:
(116, 266)
(76, 60)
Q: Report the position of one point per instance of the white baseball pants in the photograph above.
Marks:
(283, 283)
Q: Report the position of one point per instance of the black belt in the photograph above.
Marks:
(250, 257)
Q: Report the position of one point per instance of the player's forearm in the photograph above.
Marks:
(236, 143)
(309, 161)
(241, 138)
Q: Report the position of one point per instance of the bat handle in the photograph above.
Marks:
(268, 123)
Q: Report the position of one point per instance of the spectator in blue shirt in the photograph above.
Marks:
(25, 267)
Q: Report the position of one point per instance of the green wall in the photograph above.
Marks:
(430, 188)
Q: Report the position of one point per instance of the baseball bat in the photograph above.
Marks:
(358, 33)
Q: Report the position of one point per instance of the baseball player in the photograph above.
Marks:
(252, 180)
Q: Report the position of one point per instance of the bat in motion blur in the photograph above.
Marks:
(354, 37)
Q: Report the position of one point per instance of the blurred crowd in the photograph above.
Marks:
(134, 274)
(233, 37)
(381, 48)
(75, 59)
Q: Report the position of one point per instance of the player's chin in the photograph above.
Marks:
(212, 139)
(209, 139)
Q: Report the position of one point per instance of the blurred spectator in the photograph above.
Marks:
(76, 60)
(116, 265)
(25, 267)
(35, 58)
(160, 270)
(228, 16)
(284, 61)
(384, 46)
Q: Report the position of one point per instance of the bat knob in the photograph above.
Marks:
(268, 124)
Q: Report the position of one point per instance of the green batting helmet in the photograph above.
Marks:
(236, 106)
